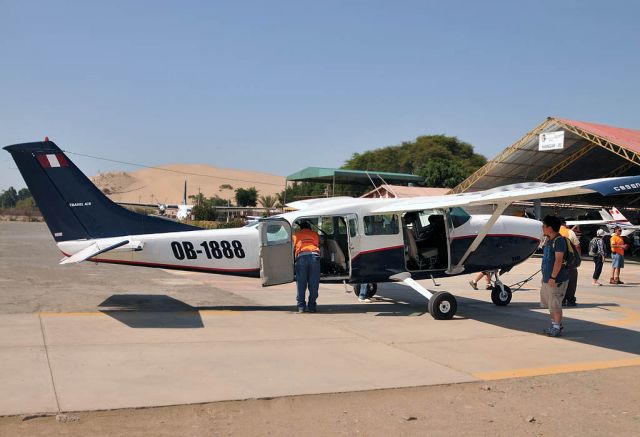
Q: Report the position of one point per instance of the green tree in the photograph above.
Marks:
(300, 191)
(217, 201)
(203, 212)
(8, 198)
(197, 199)
(441, 174)
(27, 203)
(246, 196)
(426, 156)
(268, 201)
(24, 193)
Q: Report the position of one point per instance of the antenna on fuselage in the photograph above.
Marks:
(373, 183)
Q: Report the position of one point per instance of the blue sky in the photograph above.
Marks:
(276, 86)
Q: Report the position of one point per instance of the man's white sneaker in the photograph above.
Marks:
(364, 300)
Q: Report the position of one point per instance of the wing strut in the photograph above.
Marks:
(459, 268)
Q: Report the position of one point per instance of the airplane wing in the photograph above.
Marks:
(525, 191)
(98, 248)
(587, 222)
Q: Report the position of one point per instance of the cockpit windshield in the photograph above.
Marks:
(458, 216)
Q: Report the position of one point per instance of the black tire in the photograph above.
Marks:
(443, 306)
(372, 289)
(499, 297)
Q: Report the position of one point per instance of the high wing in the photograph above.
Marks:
(587, 222)
(320, 202)
(510, 193)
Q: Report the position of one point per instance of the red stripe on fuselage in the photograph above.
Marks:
(169, 266)
(376, 250)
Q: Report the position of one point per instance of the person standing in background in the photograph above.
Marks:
(596, 250)
(617, 255)
(570, 295)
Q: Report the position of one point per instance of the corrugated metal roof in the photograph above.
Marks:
(590, 151)
(629, 138)
(329, 175)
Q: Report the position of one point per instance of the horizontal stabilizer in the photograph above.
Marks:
(96, 249)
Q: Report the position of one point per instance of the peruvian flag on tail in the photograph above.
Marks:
(52, 160)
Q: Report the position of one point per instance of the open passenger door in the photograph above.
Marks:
(276, 251)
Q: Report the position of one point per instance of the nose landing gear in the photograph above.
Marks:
(500, 293)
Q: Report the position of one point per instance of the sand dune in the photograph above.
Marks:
(166, 186)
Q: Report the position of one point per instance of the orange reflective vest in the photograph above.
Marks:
(305, 240)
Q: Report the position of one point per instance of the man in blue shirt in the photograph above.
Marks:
(555, 275)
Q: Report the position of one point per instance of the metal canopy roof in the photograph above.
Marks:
(354, 177)
(590, 151)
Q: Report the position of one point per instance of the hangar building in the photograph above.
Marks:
(588, 151)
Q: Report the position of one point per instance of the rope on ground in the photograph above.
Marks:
(519, 284)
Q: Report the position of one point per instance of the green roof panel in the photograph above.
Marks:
(356, 177)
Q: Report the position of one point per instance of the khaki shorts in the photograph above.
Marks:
(551, 297)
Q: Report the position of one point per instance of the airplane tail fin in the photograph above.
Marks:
(605, 215)
(72, 206)
(618, 217)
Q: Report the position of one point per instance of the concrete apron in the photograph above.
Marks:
(117, 359)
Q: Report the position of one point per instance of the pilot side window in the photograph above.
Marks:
(458, 216)
(382, 224)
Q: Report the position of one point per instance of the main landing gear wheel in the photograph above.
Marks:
(499, 296)
(443, 306)
(372, 289)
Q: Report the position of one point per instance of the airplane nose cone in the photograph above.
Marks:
(534, 229)
(523, 227)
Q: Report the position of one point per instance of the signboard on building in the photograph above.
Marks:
(551, 141)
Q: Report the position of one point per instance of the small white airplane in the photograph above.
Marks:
(610, 220)
(363, 241)
(184, 210)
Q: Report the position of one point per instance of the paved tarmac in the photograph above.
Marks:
(93, 337)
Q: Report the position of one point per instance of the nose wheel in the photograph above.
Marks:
(501, 294)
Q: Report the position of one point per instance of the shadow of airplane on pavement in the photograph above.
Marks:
(162, 311)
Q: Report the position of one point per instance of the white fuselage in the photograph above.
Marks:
(237, 251)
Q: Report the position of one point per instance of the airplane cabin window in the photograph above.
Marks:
(327, 225)
(383, 224)
(342, 226)
(277, 234)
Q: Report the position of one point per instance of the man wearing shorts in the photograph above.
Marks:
(555, 275)
(617, 255)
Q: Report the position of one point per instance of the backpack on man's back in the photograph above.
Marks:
(593, 247)
(571, 256)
